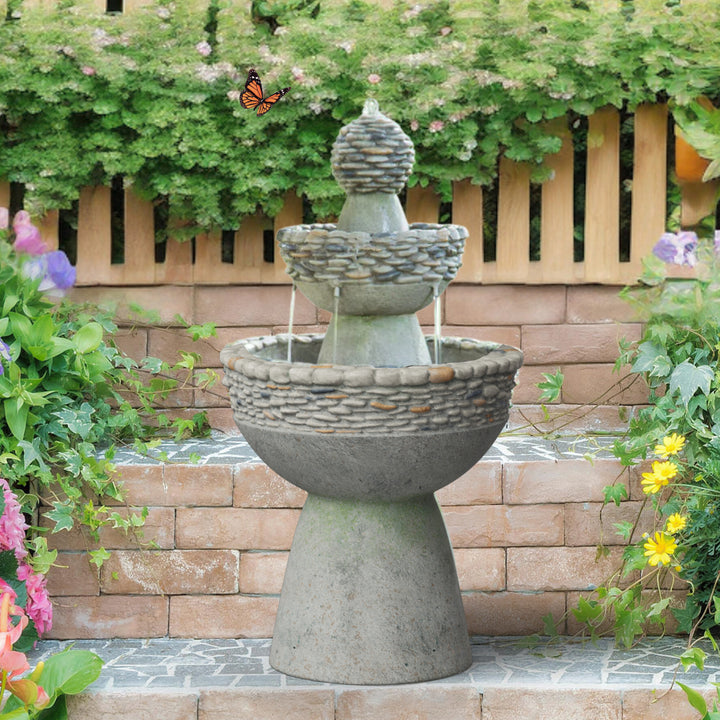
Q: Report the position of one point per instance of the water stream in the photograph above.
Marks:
(437, 317)
(336, 308)
(290, 323)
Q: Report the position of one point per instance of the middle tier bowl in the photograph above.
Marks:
(386, 273)
(372, 433)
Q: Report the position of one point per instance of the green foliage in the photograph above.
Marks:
(67, 392)
(84, 98)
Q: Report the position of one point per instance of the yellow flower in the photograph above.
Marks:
(671, 445)
(660, 549)
(660, 476)
(676, 522)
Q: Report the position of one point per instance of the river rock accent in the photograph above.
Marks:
(470, 390)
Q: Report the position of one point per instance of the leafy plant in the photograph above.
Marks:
(153, 96)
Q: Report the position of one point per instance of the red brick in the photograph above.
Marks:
(646, 704)
(216, 395)
(109, 616)
(480, 485)
(222, 616)
(166, 343)
(559, 568)
(503, 525)
(267, 704)
(251, 305)
(510, 613)
(121, 705)
(177, 485)
(504, 304)
(571, 418)
(544, 481)
(544, 344)
(527, 391)
(597, 304)
(419, 702)
(480, 568)
(167, 300)
(262, 573)
(584, 524)
(159, 528)
(170, 572)
(504, 703)
(132, 343)
(257, 486)
(235, 528)
(222, 419)
(73, 574)
(597, 382)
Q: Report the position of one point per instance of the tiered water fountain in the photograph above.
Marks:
(371, 419)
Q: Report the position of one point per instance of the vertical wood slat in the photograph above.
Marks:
(48, 226)
(290, 214)
(178, 267)
(557, 212)
(649, 184)
(602, 197)
(422, 205)
(5, 195)
(467, 210)
(513, 230)
(248, 265)
(209, 268)
(93, 237)
(139, 265)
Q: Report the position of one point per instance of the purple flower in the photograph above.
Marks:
(28, 240)
(717, 242)
(4, 354)
(678, 249)
(204, 48)
(54, 270)
(4, 218)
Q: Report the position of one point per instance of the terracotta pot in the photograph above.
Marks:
(689, 166)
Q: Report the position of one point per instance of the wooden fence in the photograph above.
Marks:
(512, 264)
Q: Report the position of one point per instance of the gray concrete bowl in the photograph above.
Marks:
(365, 432)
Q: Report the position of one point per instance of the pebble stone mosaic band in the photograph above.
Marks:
(471, 390)
(426, 252)
(372, 154)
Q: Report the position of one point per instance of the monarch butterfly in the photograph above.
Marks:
(252, 96)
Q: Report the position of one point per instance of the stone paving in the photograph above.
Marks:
(175, 664)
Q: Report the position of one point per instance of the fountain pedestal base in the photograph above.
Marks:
(371, 595)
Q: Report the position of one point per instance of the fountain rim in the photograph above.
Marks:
(361, 235)
(498, 358)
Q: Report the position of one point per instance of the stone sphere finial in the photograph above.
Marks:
(372, 154)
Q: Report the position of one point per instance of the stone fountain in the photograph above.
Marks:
(371, 419)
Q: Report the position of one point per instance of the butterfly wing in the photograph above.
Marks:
(270, 100)
(252, 95)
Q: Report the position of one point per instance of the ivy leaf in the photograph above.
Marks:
(615, 493)
(693, 656)
(687, 379)
(652, 359)
(695, 699)
(624, 529)
(551, 387)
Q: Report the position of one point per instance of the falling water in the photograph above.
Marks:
(336, 308)
(290, 323)
(437, 313)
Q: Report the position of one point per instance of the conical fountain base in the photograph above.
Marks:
(371, 595)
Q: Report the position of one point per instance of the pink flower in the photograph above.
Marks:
(414, 125)
(28, 240)
(4, 218)
(234, 95)
(373, 78)
(298, 74)
(87, 70)
(204, 48)
(436, 126)
(38, 607)
(445, 30)
(12, 523)
(22, 217)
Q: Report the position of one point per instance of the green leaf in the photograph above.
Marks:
(88, 337)
(70, 672)
(58, 711)
(695, 699)
(624, 529)
(16, 414)
(687, 379)
(693, 656)
(652, 359)
(615, 493)
(99, 556)
(552, 386)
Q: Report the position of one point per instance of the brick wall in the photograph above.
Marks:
(572, 328)
(524, 533)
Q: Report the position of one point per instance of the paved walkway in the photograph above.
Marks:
(497, 663)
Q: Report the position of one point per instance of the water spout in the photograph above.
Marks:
(437, 318)
(290, 323)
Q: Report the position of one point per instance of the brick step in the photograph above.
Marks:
(232, 680)
(524, 523)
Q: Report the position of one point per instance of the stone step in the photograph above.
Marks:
(228, 679)
(524, 523)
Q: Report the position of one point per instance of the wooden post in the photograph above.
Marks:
(698, 201)
(178, 267)
(139, 265)
(5, 195)
(48, 227)
(208, 260)
(467, 210)
(291, 214)
(93, 237)
(422, 205)
(248, 265)
(513, 231)
(557, 212)
(649, 185)
(602, 198)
